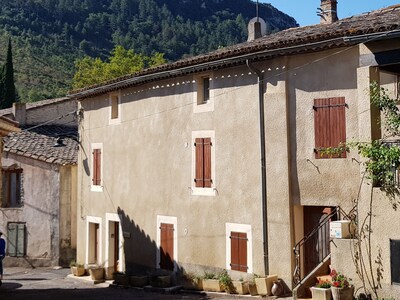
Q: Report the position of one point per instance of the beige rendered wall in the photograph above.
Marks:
(147, 161)
(51, 112)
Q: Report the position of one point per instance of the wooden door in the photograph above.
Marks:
(116, 246)
(239, 251)
(167, 246)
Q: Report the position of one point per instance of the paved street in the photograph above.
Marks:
(44, 283)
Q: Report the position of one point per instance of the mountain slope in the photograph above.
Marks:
(48, 35)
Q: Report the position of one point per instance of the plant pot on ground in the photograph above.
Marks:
(161, 281)
(77, 269)
(319, 293)
(138, 280)
(240, 287)
(121, 279)
(211, 283)
(96, 273)
(264, 284)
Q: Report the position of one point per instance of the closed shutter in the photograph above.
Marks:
(329, 125)
(16, 239)
(167, 246)
(239, 251)
(96, 167)
(203, 163)
(199, 172)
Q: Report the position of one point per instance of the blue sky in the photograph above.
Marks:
(304, 11)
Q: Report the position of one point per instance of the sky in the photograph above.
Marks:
(304, 11)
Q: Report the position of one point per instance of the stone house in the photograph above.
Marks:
(38, 202)
(213, 162)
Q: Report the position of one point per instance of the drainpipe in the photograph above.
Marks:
(263, 167)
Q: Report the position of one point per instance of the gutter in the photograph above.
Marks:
(263, 164)
(241, 59)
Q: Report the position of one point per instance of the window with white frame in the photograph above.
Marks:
(97, 167)
(203, 163)
(239, 250)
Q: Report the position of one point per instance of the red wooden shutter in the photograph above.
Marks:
(167, 246)
(96, 167)
(337, 123)
(329, 124)
(207, 162)
(239, 251)
(199, 179)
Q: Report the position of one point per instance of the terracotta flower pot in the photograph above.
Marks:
(321, 293)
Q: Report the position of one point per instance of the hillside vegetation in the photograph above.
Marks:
(49, 35)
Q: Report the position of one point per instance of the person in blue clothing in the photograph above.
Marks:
(2, 255)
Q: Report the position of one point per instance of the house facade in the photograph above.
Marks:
(214, 162)
(39, 185)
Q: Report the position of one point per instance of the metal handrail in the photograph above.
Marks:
(337, 211)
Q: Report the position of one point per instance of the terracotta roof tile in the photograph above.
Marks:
(330, 35)
(41, 147)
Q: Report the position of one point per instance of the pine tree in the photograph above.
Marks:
(7, 87)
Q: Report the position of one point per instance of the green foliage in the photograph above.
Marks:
(7, 88)
(122, 62)
(208, 275)
(226, 281)
(49, 35)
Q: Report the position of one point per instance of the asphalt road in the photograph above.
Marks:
(45, 283)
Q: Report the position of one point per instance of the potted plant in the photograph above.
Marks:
(264, 284)
(121, 278)
(96, 272)
(341, 288)
(322, 291)
(225, 282)
(160, 279)
(77, 269)
(240, 286)
(211, 283)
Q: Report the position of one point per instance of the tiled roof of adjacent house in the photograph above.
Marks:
(287, 42)
(42, 147)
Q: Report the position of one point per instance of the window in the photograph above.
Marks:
(239, 247)
(12, 187)
(203, 97)
(16, 239)
(115, 102)
(329, 126)
(97, 169)
(395, 261)
(203, 163)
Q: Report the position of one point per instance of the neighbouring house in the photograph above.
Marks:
(214, 162)
(39, 167)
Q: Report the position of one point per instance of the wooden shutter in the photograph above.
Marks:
(207, 162)
(20, 239)
(239, 251)
(96, 167)
(203, 162)
(329, 124)
(12, 231)
(167, 246)
(199, 179)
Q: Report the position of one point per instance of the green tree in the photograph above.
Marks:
(7, 86)
(91, 71)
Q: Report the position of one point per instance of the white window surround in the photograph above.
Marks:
(96, 188)
(203, 191)
(244, 228)
(167, 220)
(118, 119)
(95, 220)
(115, 218)
(198, 105)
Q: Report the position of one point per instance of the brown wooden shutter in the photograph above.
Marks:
(207, 162)
(96, 167)
(199, 173)
(337, 122)
(167, 246)
(329, 124)
(239, 251)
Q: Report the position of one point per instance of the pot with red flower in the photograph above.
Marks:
(341, 287)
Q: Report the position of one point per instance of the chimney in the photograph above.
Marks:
(254, 29)
(328, 11)
(19, 112)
